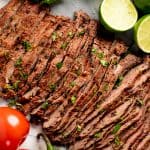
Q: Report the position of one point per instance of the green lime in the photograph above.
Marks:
(143, 5)
(142, 33)
(118, 15)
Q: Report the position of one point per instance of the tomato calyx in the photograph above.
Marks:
(46, 140)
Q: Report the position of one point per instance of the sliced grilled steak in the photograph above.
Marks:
(84, 88)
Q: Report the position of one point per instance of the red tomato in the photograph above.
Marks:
(14, 128)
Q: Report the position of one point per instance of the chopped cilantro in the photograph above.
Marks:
(81, 33)
(59, 65)
(26, 45)
(18, 62)
(64, 45)
(97, 135)
(119, 80)
(45, 105)
(70, 34)
(52, 87)
(72, 84)
(104, 63)
(116, 128)
(73, 99)
(79, 128)
(48, 2)
(117, 141)
(54, 36)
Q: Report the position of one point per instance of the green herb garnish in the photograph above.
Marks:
(16, 85)
(119, 80)
(48, 2)
(73, 99)
(64, 45)
(104, 63)
(18, 62)
(81, 33)
(46, 140)
(45, 105)
(23, 75)
(59, 65)
(52, 87)
(97, 135)
(70, 34)
(12, 103)
(117, 141)
(27, 46)
(72, 84)
(116, 128)
(106, 87)
(54, 36)
(79, 128)
(94, 50)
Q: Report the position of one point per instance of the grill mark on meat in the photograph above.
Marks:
(121, 110)
(145, 142)
(131, 140)
(19, 55)
(40, 51)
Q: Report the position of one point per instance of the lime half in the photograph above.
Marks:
(142, 33)
(118, 15)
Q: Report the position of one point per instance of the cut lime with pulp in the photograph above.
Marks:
(142, 33)
(118, 15)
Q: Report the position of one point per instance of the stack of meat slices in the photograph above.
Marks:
(86, 89)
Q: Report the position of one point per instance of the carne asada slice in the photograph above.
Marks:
(15, 52)
(79, 105)
(8, 13)
(64, 65)
(85, 69)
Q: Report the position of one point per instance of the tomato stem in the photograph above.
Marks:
(47, 141)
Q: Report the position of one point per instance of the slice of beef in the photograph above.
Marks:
(18, 56)
(51, 75)
(15, 52)
(123, 126)
(71, 82)
(69, 112)
(94, 128)
(29, 63)
(126, 83)
(109, 81)
(7, 13)
(23, 19)
(85, 72)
